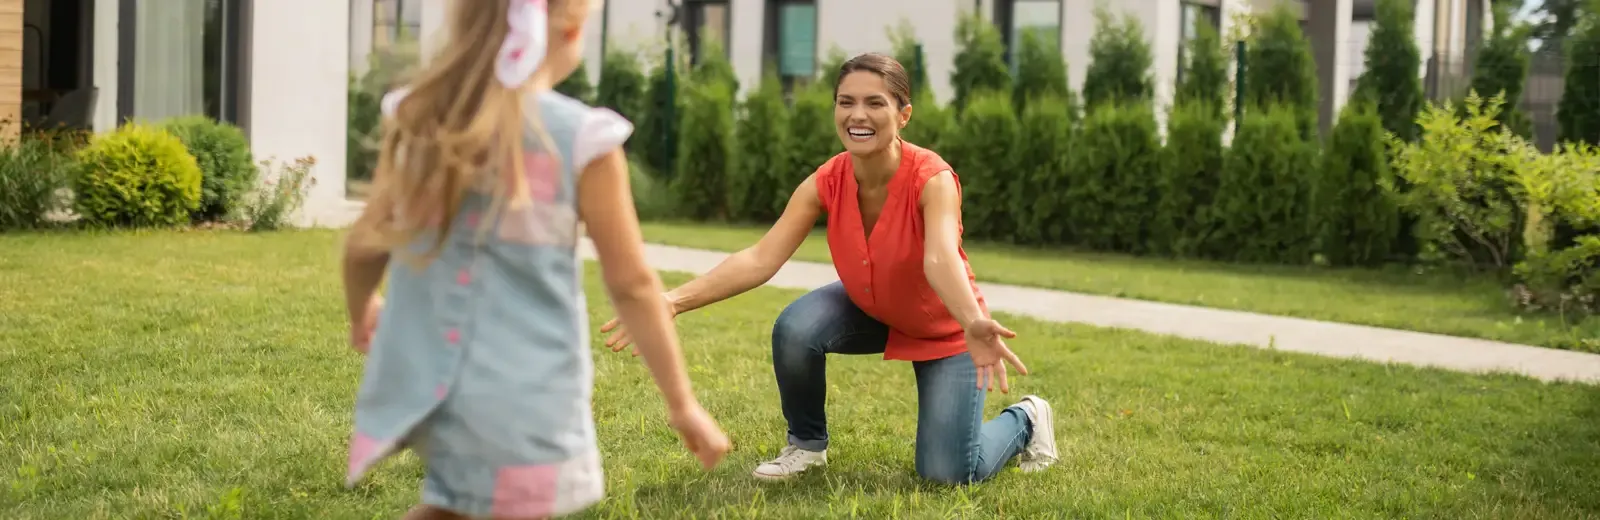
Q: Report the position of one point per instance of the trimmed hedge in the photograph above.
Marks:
(1191, 172)
(1113, 177)
(705, 152)
(137, 176)
(1037, 200)
(227, 168)
(1262, 201)
(1358, 221)
(755, 185)
(982, 155)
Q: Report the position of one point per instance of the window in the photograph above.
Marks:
(1189, 18)
(791, 40)
(394, 21)
(1018, 17)
(181, 58)
(706, 23)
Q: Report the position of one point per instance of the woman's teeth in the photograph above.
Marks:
(860, 134)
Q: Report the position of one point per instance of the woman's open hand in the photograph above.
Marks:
(618, 338)
(986, 342)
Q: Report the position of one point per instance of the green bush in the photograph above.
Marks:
(755, 185)
(903, 41)
(1280, 70)
(1358, 221)
(656, 133)
(715, 67)
(576, 85)
(982, 152)
(621, 85)
(1579, 111)
(283, 190)
(980, 62)
(1463, 177)
(1041, 71)
(705, 152)
(137, 176)
(1502, 68)
(1559, 190)
(1115, 170)
(1191, 171)
(652, 198)
(931, 125)
(361, 132)
(32, 174)
(1262, 204)
(227, 169)
(1038, 202)
(812, 136)
(1205, 73)
(1119, 62)
(1392, 62)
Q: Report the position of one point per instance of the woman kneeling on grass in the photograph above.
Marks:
(905, 291)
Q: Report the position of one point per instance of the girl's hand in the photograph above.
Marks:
(701, 435)
(361, 330)
(986, 343)
(618, 339)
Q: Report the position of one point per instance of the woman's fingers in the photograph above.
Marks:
(1004, 331)
(1011, 357)
(618, 341)
(609, 325)
(1005, 386)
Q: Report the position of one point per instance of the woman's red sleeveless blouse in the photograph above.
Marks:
(883, 272)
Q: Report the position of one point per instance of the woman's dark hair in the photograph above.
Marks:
(894, 74)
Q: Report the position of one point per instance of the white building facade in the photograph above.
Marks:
(275, 68)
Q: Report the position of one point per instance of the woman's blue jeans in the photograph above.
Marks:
(954, 445)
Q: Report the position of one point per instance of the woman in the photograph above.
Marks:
(905, 291)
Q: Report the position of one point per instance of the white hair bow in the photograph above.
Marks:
(520, 53)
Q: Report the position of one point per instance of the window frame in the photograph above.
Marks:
(772, 42)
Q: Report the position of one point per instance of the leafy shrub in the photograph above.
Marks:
(652, 198)
(755, 184)
(1579, 111)
(576, 85)
(1502, 68)
(982, 153)
(1191, 171)
(931, 125)
(1205, 73)
(137, 176)
(1281, 71)
(1114, 177)
(32, 174)
(705, 152)
(1357, 220)
(361, 133)
(282, 192)
(715, 67)
(1262, 203)
(656, 134)
(1458, 176)
(903, 41)
(812, 137)
(1119, 62)
(1559, 189)
(1038, 201)
(1041, 71)
(227, 170)
(1392, 62)
(621, 85)
(980, 62)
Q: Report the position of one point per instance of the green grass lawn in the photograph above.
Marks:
(1453, 305)
(205, 375)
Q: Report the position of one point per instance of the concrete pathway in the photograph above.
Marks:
(1220, 326)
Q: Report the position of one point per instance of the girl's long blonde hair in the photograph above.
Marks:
(457, 129)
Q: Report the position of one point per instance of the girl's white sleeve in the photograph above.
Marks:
(601, 131)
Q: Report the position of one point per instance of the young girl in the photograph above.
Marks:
(480, 363)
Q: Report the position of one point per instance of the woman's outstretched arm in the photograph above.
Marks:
(746, 269)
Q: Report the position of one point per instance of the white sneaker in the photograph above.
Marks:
(1040, 452)
(791, 463)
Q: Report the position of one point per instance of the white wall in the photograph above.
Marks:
(105, 64)
(299, 67)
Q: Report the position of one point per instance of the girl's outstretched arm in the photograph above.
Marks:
(362, 272)
(605, 203)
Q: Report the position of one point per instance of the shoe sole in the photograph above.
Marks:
(1044, 432)
(780, 478)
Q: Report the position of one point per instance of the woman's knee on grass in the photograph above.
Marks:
(945, 469)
